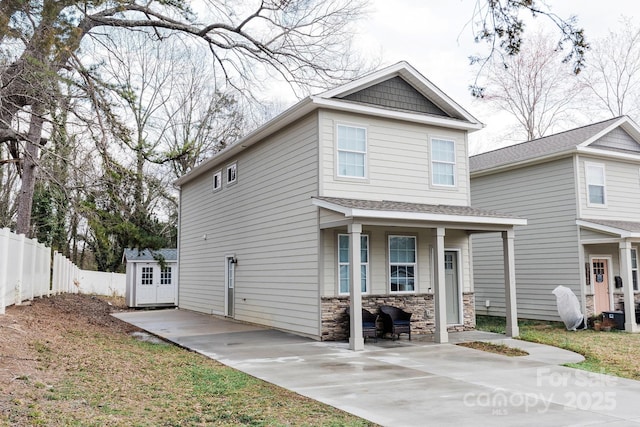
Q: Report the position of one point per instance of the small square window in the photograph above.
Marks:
(232, 173)
(217, 180)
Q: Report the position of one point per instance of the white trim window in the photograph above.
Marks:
(232, 173)
(402, 263)
(343, 263)
(443, 162)
(217, 180)
(165, 275)
(634, 268)
(596, 185)
(352, 151)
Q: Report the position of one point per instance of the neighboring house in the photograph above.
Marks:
(372, 174)
(151, 277)
(580, 192)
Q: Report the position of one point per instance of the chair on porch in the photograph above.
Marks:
(395, 320)
(369, 324)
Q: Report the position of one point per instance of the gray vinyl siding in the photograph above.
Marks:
(546, 250)
(398, 94)
(617, 139)
(586, 234)
(266, 219)
(622, 190)
(398, 162)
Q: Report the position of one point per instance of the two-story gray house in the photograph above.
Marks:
(580, 192)
(365, 184)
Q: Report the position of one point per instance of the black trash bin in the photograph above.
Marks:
(616, 317)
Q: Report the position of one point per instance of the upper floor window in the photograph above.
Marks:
(402, 263)
(443, 162)
(343, 262)
(352, 151)
(595, 184)
(232, 173)
(217, 180)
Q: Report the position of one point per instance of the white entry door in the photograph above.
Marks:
(166, 289)
(155, 285)
(146, 286)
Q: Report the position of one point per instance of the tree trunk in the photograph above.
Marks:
(29, 170)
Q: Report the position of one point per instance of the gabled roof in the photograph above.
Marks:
(622, 229)
(549, 147)
(414, 211)
(133, 254)
(456, 118)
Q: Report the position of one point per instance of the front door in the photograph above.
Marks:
(230, 285)
(600, 280)
(452, 287)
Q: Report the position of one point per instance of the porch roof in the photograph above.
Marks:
(386, 209)
(622, 229)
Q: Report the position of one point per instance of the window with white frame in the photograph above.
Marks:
(443, 162)
(165, 276)
(402, 263)
(595, 184)
(217, 180)
(343, 262)
(147, 276)
(232, 173)
(352, 151)
(634, 268)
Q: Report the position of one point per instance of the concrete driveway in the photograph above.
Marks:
(414, 383)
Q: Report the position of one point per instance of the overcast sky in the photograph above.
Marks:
(434, 37)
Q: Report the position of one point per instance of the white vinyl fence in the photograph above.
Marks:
(26, 272)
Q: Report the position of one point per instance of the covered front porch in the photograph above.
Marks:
(408, 252)
(609, 252)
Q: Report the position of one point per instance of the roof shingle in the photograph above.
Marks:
(529, 150)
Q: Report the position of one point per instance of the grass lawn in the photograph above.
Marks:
(614, 352)
(65, 361)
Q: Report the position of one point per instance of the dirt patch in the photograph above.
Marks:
(30, 332)
(495, 348)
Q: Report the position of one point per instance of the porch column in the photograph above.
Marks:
(511, 307)
(441, 335)
(630, 324)
(356, 341)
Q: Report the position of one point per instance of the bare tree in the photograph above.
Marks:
(613, 75)
(534, 87)
(304, 41)
(500, 24)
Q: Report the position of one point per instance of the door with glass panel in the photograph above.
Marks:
(452, 287)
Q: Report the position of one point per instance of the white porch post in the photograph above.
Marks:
(511, 307)
(630, 324)
(441, 335)
(356, 341)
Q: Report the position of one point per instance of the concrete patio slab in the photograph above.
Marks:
(411, 383)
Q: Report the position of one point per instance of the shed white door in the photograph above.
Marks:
(146, 286)
(166, 287)
(155, 285)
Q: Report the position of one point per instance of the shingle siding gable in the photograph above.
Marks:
(618, 140)
(398, 94)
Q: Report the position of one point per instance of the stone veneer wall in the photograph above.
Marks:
(618, 300)
(590, 306)
(335, 321)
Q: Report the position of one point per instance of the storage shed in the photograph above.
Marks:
(152, 277)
